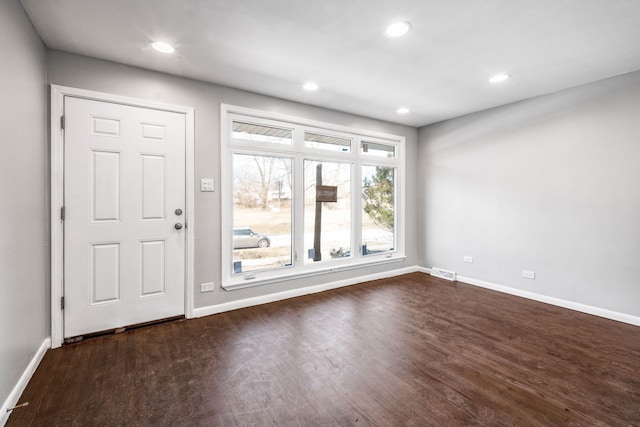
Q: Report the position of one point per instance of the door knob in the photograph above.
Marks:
(178, 226)
(178, 211)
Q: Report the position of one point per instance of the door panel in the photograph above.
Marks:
(105, 272)
(105, 186)
(124, 179)
(152, 267)
(152, 192)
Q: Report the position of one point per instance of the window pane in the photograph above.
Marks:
(327, 224)
(261, 133)
(377, 149)
(326, 142)
(261, 213)
(378, 195)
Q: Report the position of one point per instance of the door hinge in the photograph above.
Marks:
(62, 213)
(62, 122)
(62, 303)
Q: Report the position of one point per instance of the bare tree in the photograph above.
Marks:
(287, 164)
(265, 168)
(278, 185)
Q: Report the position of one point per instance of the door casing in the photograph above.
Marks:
(57, 195)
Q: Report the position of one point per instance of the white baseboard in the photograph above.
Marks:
(264, 299)
(571, 305)
(15, 394)
(583, 308)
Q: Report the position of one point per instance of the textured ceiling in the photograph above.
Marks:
(439, 70)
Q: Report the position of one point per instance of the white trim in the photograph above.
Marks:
(249, 302)
(57, 194)
(389, 258)
(57, 226)
(583, 308)
(576, 306)
(299, 152)
(559, 302)
(264, 299)
(15, 394)
(190, 171)
(269, 115)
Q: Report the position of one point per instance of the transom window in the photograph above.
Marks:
(327, 142)
(299, 199)
(261, 133)
(377, 149)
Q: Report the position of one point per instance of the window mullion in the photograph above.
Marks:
(356, 202)
(298, 200)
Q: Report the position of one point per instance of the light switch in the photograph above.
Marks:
(207, 184)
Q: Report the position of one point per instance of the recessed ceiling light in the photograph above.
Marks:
(162, 47)
(310, 86)
(398, 29)
(500, 78)
(403, 110)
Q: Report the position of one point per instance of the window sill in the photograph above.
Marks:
(243, 282)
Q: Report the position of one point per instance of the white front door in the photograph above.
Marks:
(124, 197)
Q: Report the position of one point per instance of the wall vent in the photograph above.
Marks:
(444, 274)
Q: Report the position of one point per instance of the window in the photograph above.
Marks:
(302, 197)
(377, 149)
(326, 142)
(327, 225)
(378, 218)
(261, 213)
(261, 133)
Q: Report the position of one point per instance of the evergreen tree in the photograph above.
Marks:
(378, 197)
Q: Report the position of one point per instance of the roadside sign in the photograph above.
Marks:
(326, 193)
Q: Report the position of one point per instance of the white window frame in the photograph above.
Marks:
(299, 153)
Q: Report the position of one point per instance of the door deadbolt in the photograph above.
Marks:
(178, 226)
(178, 211)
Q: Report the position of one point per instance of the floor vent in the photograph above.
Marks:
(444, 274)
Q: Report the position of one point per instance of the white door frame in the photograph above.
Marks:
(57, 195)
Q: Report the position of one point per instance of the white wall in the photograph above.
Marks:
(549, 184)
(24, 238)
(92, 74)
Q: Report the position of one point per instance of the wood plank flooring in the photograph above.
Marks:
(411, 350)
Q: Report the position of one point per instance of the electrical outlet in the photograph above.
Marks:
(468, 259)
(529, 274)
(206, 287)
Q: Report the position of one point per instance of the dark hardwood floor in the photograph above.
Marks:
(411, 350)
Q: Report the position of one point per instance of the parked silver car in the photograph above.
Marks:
(247, 238)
